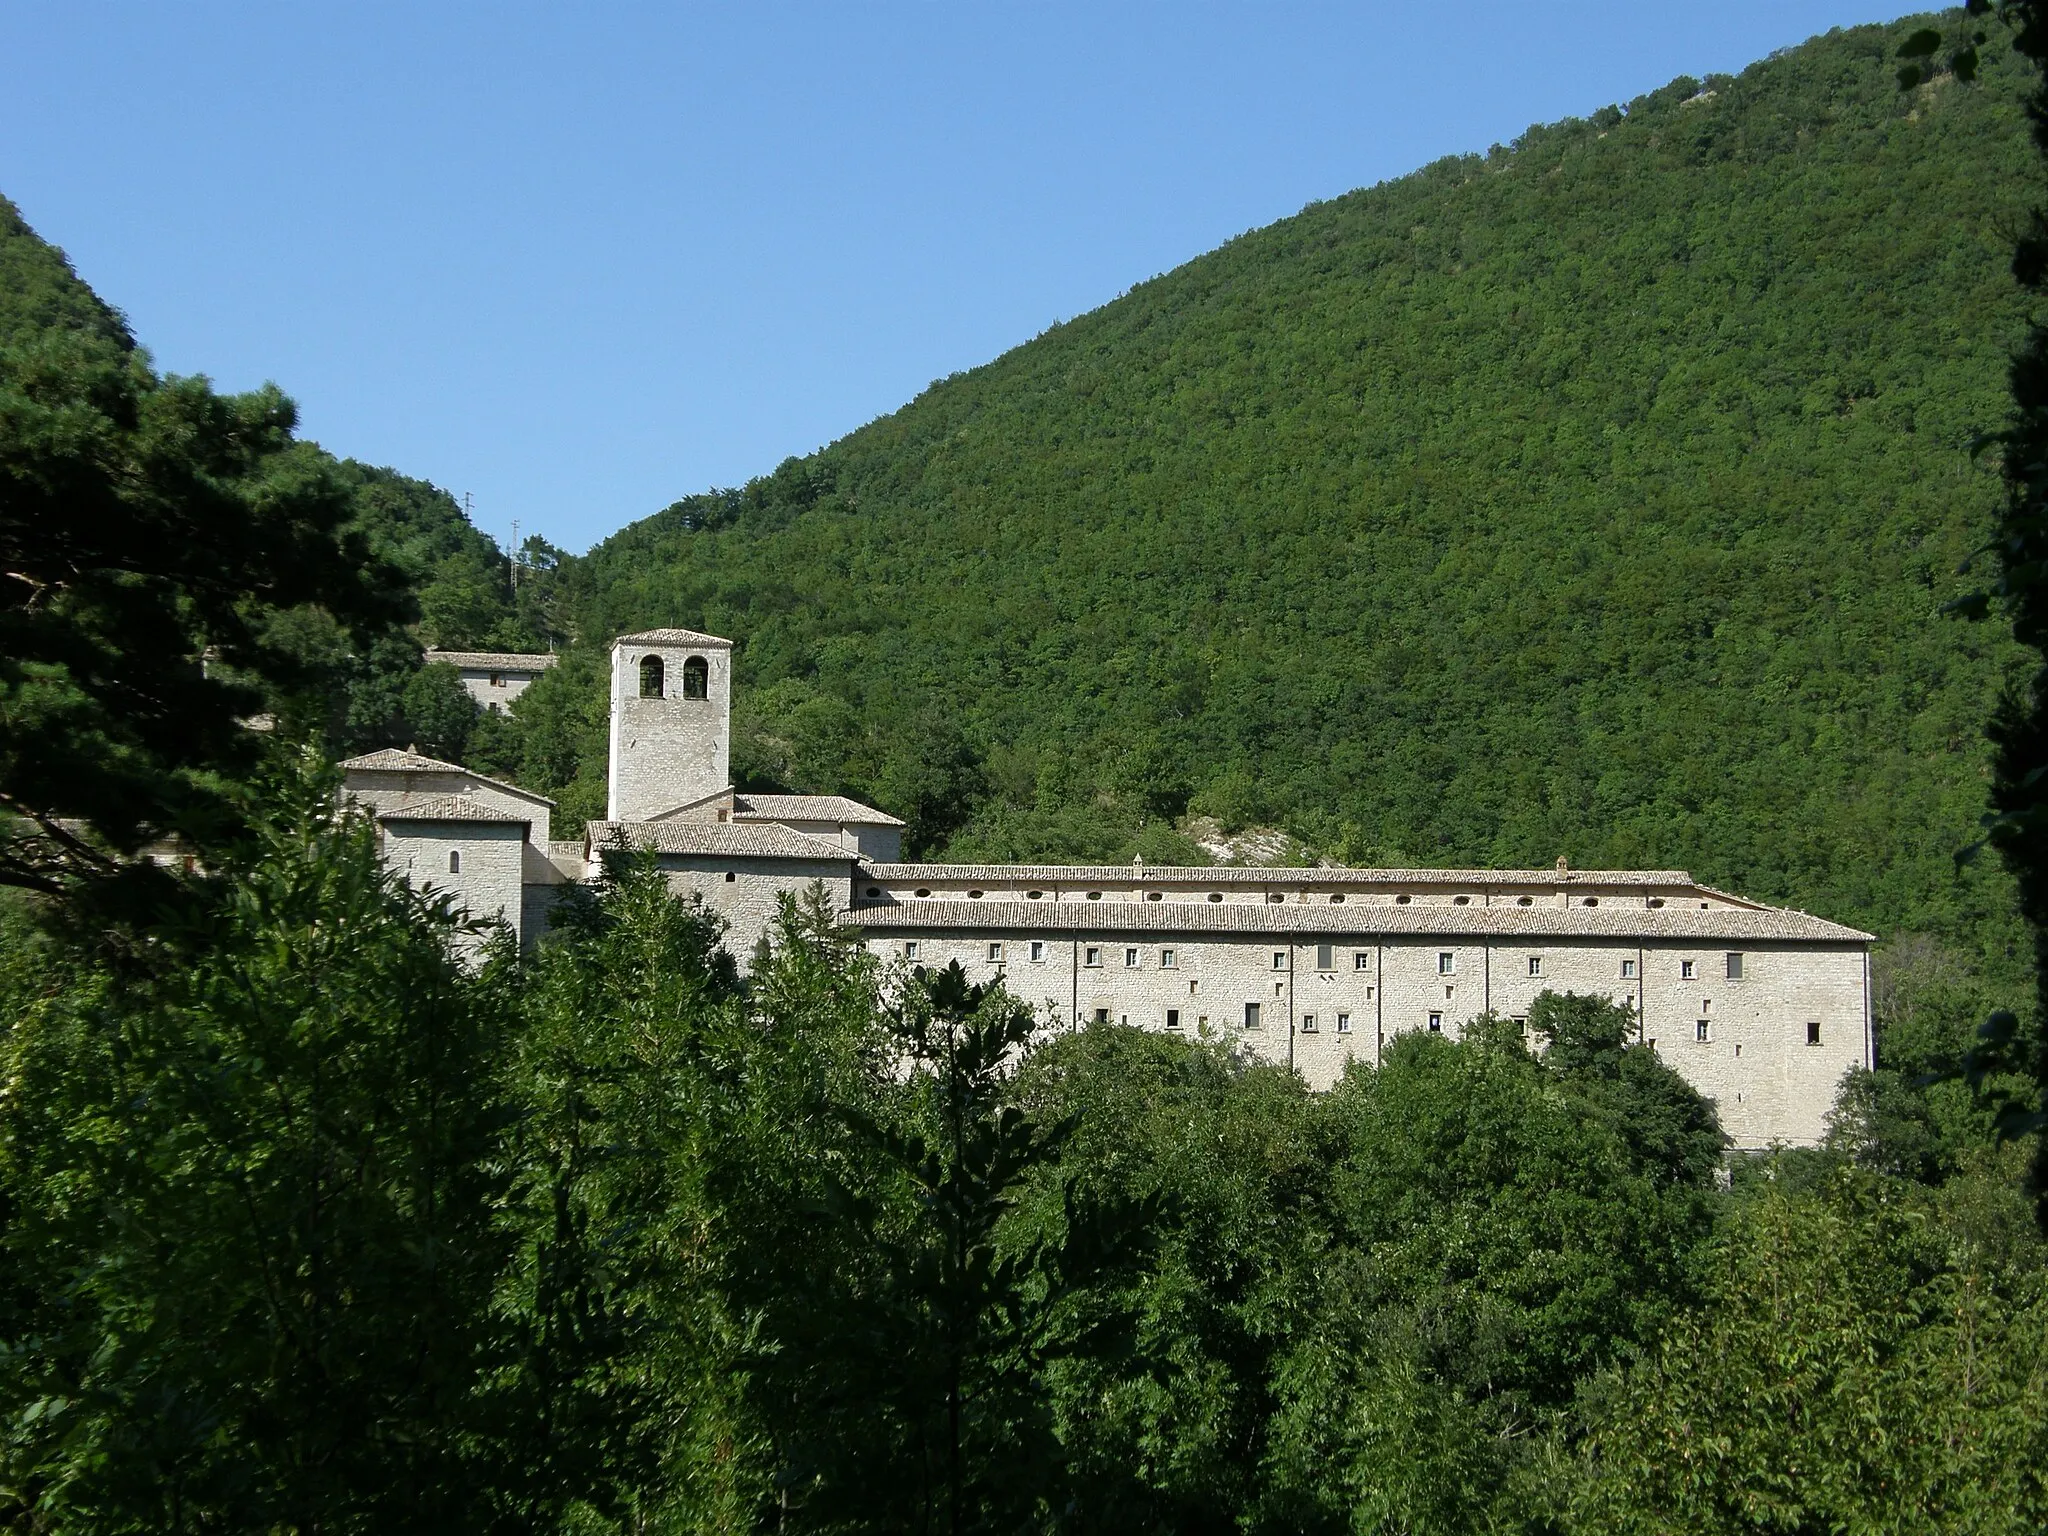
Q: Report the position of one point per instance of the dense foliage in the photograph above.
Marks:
(308, 1225)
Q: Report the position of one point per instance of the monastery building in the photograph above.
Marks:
(1762, 1009)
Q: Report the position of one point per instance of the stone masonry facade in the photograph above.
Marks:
(1762, 1009)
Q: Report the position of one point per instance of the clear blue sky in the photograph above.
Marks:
(581, 259)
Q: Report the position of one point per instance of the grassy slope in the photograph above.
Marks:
(1595, 497)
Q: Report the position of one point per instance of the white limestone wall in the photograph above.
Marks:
(492, 859)
(667, 750)
(495, 691)
(1325, 1003)
(384, 790)
(746, 893)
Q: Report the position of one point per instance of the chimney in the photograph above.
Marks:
(1561, 866)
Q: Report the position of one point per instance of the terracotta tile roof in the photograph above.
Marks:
(812, 808)
(1668, 923)
(716, 839)
(1224, 874)
(495, 661)
(391, 760)
(448, 808)
(672, 637)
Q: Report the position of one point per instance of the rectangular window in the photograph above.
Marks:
(1308, 1023)
(1173, 1018)
(1279, 960)
(1102, 1015)
(1166, 959)
(1628, 970)
(1685, 970)
(1091, 956)
(910, 949)
(1130, 959)
(1535, 965)
(1038, 949)
(1251, 1015)
(1446, 964)
(1813, 1031)
(1326, 957)
(1436, 1023)
(995, 954)
(1734, 966)
(1361, 961)
(1343, 1023)
(1701, 1031)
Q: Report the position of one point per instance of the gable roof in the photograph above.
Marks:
(1446, 923)
(811, 808)
(716, 839)
(673, 637)
(496, 661)
(450, 808)
(391, 760)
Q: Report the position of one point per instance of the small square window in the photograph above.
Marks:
(1734, 966)
(1685, 970)
(1813, 1031)
(1251, 1015)
(1702, 1031)
(1279, 960)
(1038, 949)
(1173, 1018)
(995, 954)
(910, 949)
(1436, 1023)
(1166, 960)
(1091, 956)
(1446, 964)
(1308, 1023)
(1361, 961)
(731, 877)
(1535, 965)
(1102, 1015)
(1628, 970)
(1326, 957)
(1130, 959)
(1343, 1023)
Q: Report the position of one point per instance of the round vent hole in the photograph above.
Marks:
(1215, 895)
(974, 895)
(1401, 900)
(1033, 895)
(1154, 896)
(1095, 895)
(874, 891)
(1590, 901)
(1337, 900)
(1525, 901)
(923, 892)
(1461, 901)
(1656, 901)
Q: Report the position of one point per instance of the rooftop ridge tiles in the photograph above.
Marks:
(1766, 925)
(449, 808)
(672, 637)
(748, 805)
(393, 760)
(507, 661)
(1237, 874)
(717, 838)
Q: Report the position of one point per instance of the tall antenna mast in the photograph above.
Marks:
(515, 554)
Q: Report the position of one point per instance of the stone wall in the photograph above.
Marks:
(489, 882)
(1323, 1002)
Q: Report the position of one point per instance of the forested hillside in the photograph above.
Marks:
(1594, 496)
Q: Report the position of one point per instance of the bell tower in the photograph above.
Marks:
(671, 725)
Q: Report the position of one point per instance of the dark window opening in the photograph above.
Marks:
(1813, 1032)
(454, 863)
(696, 678)
(730, 877)
(650, 677)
